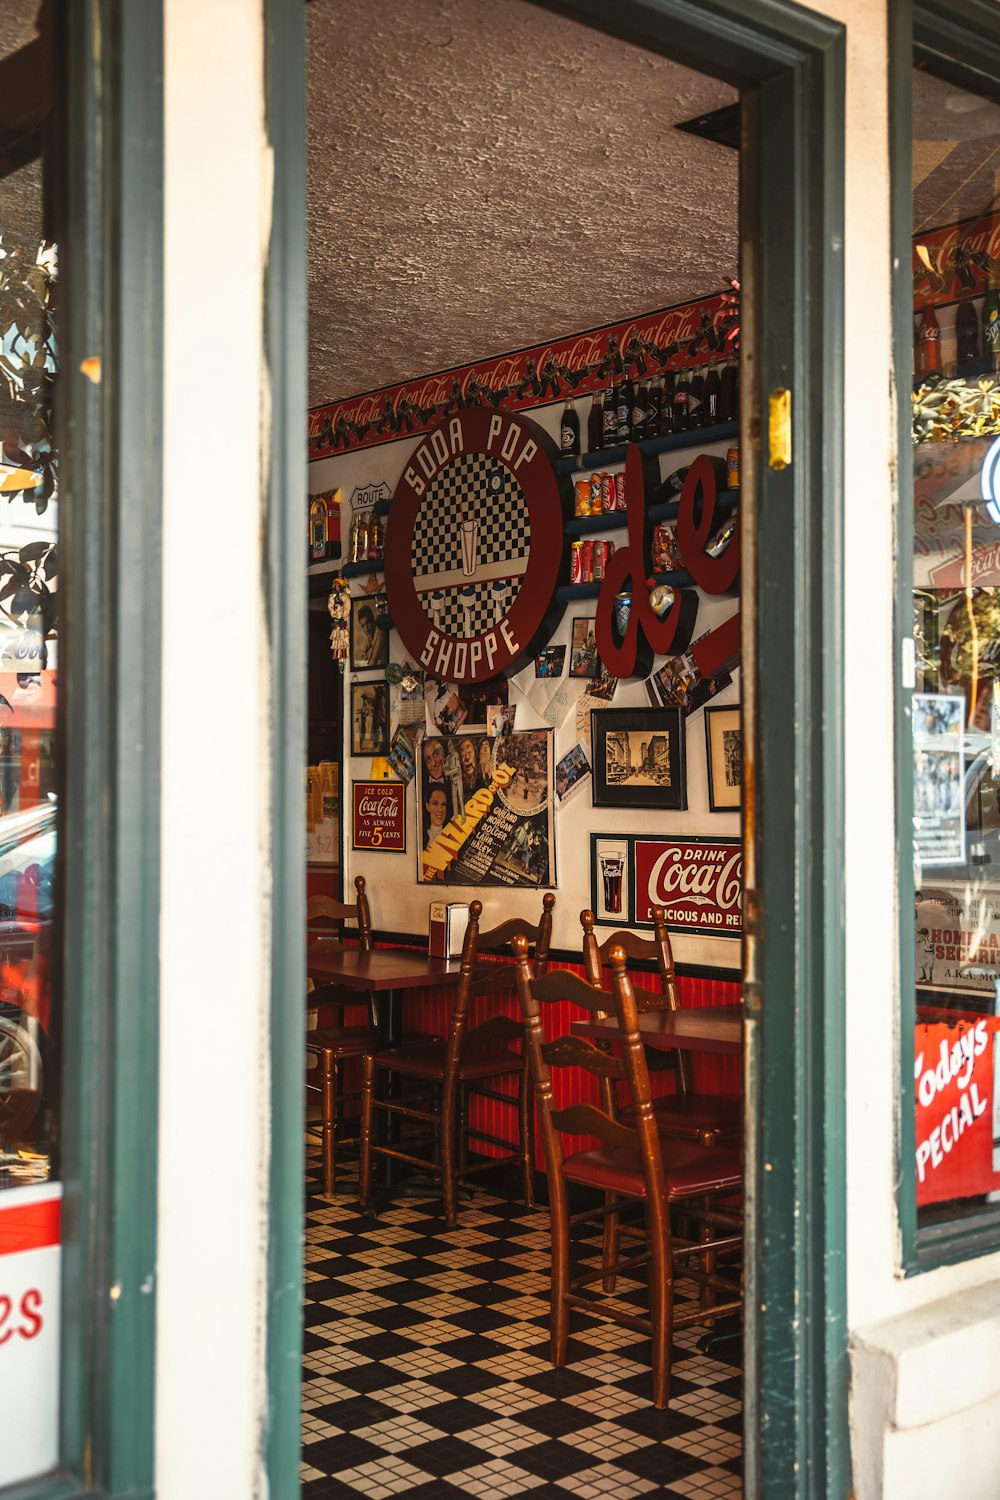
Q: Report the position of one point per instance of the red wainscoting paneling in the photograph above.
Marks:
(426, 1011)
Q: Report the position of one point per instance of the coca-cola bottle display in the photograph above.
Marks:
(695, 399)
(967, 351)
(667, 404)
(682, 391)
(623, 411)
(637, 416)
(991, 327)
(710, 396)
(595, 424)
(729, 391)
(569, 430)
(928, 356)
(610, 417)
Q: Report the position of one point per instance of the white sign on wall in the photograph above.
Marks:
(30, 1257)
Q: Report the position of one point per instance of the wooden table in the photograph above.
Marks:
(386, 973)
(711, 1028)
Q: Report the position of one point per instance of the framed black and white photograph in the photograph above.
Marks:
(639, 758)
(724, 752)
(369, 718)
(369, 641)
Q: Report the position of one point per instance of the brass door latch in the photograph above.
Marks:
(779, 428)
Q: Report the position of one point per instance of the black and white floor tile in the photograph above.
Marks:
(426, 1371)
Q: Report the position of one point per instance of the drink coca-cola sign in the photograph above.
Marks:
(379, 816)
(698, 882)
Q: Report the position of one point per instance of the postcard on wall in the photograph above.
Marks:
(485, 809)
(572, 774)
(938, 779)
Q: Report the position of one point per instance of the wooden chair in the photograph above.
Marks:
(330, 1045)
(684, 1114)
(443, 1074)
(632, 1164)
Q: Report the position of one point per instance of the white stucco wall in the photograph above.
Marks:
(215, 913)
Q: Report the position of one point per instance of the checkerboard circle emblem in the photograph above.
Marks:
(474, 545)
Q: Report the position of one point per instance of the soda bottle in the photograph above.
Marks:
(595, 424)
(667, 404)
(967, 338)
(711, 396)
(569, 430)
(623, 411)
(729, 391)
(696, 395)
(637, 416)
(610, 417)
(654, 407)
(374, 536)
(928, 360)
(682, 391)
(991, 327)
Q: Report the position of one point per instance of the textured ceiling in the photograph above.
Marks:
(956, 152)
(483, 176)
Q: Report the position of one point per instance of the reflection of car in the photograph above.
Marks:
(27, 877)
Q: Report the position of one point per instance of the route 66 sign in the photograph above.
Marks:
(475, 546)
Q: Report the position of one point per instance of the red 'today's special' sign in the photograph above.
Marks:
(698, 882)
(379, 816)
(954, 1070)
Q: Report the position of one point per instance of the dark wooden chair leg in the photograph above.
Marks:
(558, 1310)
(446, 1142)
(365, 1163)
(661, 1302)
(708, 1263)
(611, 1243)
(526, 1118)
(329, 1104)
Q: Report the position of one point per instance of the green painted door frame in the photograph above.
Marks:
(791, 66)
(109, 93)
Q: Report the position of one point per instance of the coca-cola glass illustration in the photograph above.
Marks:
(611, 858)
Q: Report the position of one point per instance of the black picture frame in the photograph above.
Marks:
(369, 718)
(369, 650)
(617, 737)
(723, 794)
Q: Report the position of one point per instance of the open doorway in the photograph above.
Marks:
(495, 221)
(410, 930)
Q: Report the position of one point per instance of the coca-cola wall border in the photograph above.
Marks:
(378, 816)
(698, 882)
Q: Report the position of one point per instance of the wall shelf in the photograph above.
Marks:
(674, 442)
(363, 569)
(571, 591)
(617, 520)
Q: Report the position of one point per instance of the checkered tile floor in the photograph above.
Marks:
(426, 1371)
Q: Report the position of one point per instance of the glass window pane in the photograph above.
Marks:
(956, 628)
(29, 772)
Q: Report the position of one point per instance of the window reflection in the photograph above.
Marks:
(29, 665)
(956, 629)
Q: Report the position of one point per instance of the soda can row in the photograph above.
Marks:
(589, 560)
(599, 493)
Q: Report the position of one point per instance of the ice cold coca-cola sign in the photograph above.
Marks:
(380, 816)
(698, 882)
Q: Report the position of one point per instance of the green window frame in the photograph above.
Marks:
(961, 38)
(109, 436)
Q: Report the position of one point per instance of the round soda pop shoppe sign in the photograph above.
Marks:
(474, 546)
